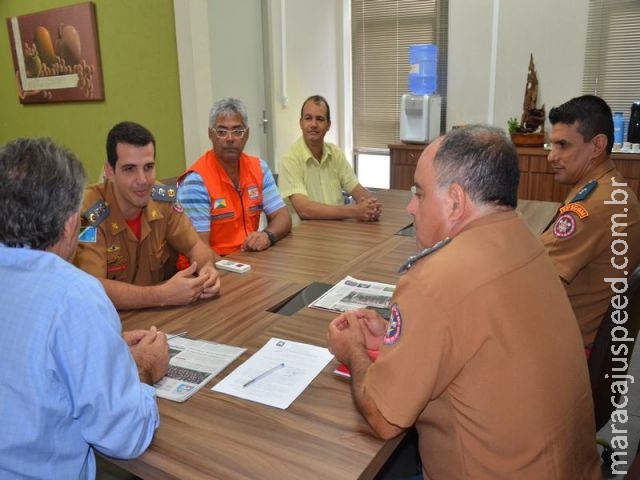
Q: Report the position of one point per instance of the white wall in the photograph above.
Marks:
(192, 26)
(489, 46)
(554, 32)
(237, 67)
(215, 38)
(312, 57)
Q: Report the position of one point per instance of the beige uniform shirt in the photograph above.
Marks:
(117, 254)
(484, 355)
(579, 242)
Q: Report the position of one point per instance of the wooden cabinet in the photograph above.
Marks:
(403, 158)
(537, 179)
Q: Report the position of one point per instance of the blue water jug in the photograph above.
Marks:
(423, 59)
(618, 128)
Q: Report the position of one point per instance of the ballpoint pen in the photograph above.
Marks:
(263, 374)
(180, 334)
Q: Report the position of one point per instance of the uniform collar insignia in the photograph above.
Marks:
(585, 191)
(427, 251)
(163, 193)
(96, 213)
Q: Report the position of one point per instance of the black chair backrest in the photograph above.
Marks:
(605, 361)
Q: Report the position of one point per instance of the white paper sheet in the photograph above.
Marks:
(281, 386)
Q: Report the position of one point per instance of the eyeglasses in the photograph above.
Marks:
(235, 133)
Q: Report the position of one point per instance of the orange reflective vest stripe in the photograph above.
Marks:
(235, 213)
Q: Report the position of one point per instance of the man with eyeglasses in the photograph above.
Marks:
(225, 192)
(315, 175)
(134, 230)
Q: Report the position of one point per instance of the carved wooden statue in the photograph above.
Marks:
(532, 116)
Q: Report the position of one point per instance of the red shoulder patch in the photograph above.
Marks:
(565, 226)
(394, 330)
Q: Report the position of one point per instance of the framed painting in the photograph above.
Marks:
(56, 56)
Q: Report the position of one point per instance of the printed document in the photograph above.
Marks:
(192, 363)
(276, 374)
(351, 293)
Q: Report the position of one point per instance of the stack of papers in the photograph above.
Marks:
(192, 364)
(276, 374)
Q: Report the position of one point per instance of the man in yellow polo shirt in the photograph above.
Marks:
(314, 174)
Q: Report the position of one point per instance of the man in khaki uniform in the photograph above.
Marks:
(482, 352)
(134, 230)
(596, 233)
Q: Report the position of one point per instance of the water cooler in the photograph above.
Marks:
(420, 109)
(420, 118)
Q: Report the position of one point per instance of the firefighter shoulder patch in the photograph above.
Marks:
(394, 330)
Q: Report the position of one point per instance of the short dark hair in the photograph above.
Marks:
(592, 113)
(317, 99)
(483, 161)
(42, 186)
(127, 132)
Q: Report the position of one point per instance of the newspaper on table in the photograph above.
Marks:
(351, 293)
(192, 363)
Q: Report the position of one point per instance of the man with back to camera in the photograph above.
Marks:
(599, 209)
(135, 229)
(226, 190)
(314, 173)
(502, 389)
(69, 383)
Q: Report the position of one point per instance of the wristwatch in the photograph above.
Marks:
(272, 237)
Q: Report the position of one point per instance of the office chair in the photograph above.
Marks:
(601, 360)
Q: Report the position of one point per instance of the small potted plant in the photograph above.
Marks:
(512, 125)
(528, 133)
